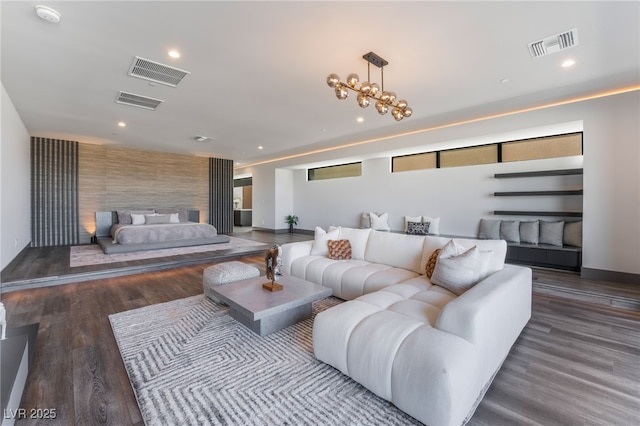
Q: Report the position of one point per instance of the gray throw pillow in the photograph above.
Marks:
(124, 216)
(573, 234)
(551, 233)
(510, 231)
(489, 229)
(157, 219)
(529, 232)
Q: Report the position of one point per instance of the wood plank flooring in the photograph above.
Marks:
(575, 363)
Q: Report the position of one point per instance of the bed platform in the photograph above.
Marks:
(195, 234)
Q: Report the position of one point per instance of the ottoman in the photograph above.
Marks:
(224, 273)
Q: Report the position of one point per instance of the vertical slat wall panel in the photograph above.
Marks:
(54, 192)
(221, 194)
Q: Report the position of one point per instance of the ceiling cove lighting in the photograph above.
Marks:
(368, 92)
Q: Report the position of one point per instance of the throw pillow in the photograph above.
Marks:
(434, 224)
(174, 218)
(454, 271)
(379, 223)
(339, 249)
(489, 229)
(529, 232)
(365, 221)
(124, 216)
(137, 219)
(358, 239)
(418, 228)
(157, 219)
(551, 233)
(408, 219)
(431, 263)
(320, 246)
(573, 234)
(510, 231)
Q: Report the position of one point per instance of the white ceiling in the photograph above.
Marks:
(258, 69)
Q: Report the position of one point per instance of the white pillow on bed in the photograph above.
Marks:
(174, 218)
(137, 219)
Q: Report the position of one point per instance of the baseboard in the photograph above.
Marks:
(603, 275)
(14, 262)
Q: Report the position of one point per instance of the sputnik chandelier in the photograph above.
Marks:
(368, 92)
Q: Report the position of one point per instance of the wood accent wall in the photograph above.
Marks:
(54, 192)
(114, 178)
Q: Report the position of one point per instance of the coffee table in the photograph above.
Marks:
(265, 312)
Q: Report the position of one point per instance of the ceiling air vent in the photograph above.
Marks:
(554, 43)
(153, 71)
(138, 101)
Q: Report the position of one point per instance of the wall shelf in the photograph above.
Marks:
(534, 213)
(562, 172)
(537, 193)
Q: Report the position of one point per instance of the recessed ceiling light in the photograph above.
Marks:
(568, 63)
(260, 147)
(48, 14)
(360, 119)
(174, 54)
(504, 80)
(122, 124)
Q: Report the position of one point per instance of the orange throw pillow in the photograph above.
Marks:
(339, 249)
(431, 263)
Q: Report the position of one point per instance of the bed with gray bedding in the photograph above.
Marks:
(126, 231)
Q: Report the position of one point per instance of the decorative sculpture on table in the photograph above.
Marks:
(273, 263)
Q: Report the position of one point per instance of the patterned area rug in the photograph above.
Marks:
(93, 255)
(190, 363)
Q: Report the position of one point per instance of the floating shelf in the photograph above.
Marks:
(533, 213)
(562, 172)
(537, 193)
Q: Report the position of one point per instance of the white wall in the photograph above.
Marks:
(461, 196)
(15, 183)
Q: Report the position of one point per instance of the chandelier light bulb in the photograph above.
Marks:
(382, 107)
(374, 89)
(407, 112)
(333, 80)
(384, 97)
(363, 100)
(365, 87)
(402, 104)
(341, 92)
(392, 97)
(397, 114)
(352, 80)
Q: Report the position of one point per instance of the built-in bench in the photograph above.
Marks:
(566, 257)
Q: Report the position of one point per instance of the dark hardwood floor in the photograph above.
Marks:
(576, 362)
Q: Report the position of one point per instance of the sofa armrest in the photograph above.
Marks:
(292, 251)
(491, 314)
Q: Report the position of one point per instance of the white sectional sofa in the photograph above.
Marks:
(427, 350)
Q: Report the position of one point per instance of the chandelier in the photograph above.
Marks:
(370, 92)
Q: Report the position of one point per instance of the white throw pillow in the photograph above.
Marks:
(408, 219)
(379, 223)
(434, 224)
(457, 270)
(358, 239)
(137, 219)
(174, 218)
(321, 241)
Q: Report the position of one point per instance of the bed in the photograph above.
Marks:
(126, 231)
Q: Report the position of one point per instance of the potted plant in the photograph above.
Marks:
(291, 220)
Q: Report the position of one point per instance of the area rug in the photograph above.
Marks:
(93, 255)
(190, 363)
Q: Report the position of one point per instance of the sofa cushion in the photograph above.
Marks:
(399, 250)
(573, 234)
(358, 239)
(339, 249)
(529, 232)
(551, 233)
(489, 229)
(320, 241)
(510, 231)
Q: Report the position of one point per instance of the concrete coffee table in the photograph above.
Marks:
(264, 311)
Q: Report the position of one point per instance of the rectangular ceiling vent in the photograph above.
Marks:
(554, 43)
(154, 71)
(138, 101)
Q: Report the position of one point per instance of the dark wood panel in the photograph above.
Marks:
(536, 213)
(562, 172)
(537, 193)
